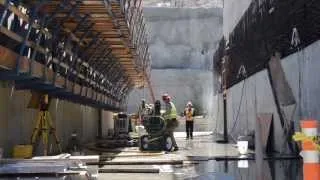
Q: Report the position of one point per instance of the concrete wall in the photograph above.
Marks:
(183, 38)
(17, 121)
(242, 113)
(258, 87)
(182, 43)
(232, 13)
(107, 123)
(307, 64)
(183, 3)
(182, 85)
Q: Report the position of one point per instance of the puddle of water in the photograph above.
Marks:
(229, 170)
(213, 176)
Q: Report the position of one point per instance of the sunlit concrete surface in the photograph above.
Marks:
(195, 133)
(204, 146)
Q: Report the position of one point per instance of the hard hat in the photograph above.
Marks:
(189, 103)
(165, 96)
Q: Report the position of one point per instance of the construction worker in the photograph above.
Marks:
(170, 115)
(189, 115)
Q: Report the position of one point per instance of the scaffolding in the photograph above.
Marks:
(88, 52)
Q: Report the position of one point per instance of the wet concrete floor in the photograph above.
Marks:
(199, 163)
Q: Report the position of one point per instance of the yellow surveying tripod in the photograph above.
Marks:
(44, 127)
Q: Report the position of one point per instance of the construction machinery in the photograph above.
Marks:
(157, 138)
(121, 124)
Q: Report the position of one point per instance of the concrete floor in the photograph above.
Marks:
(196, 159)
(198, 163)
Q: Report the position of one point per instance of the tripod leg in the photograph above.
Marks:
(53, 131)
(35, 132)
(45, 133)
(57, 142)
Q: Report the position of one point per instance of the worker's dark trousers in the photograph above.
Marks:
(189, 129)
(172, 124)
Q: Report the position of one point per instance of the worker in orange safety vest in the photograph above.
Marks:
(189, 114)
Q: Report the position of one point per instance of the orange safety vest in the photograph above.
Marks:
(189, 114)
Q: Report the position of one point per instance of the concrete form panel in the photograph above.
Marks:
(280, 84)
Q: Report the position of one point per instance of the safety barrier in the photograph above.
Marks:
(310, 149)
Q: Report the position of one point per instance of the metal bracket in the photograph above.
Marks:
(25, 39)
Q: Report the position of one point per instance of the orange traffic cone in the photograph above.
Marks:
(310, 154)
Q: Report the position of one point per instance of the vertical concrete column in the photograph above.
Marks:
(107, 122)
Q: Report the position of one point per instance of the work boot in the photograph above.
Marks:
(175, 149)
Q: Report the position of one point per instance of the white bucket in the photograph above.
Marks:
(242, 147)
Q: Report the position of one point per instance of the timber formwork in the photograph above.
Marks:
(91, 52)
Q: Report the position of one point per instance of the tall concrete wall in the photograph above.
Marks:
(257, 87)
(245, 99)
(182, 85)
(182, 43)
(307, 64)
(183, 3)
(241, 116)
(17, 121)
(183, 38)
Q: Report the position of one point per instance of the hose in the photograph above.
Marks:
(239, 108)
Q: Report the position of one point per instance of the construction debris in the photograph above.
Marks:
(63, 164)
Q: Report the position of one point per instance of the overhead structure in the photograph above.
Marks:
(91, 52)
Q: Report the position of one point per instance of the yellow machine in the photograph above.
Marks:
(44, 127)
